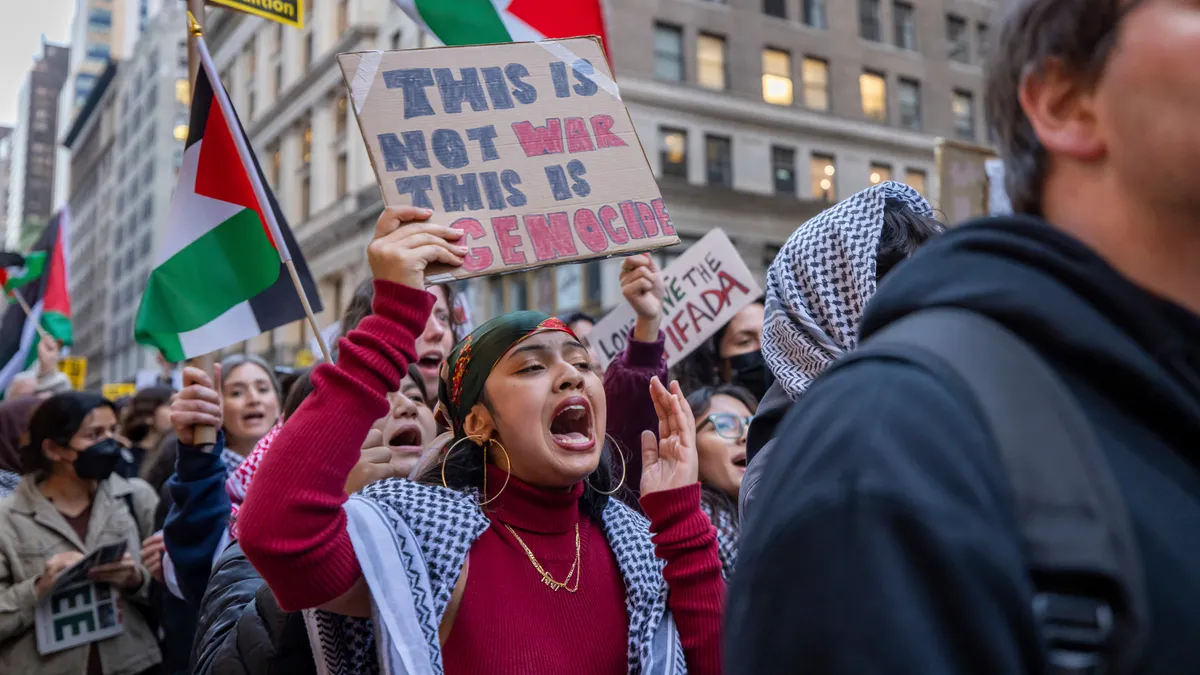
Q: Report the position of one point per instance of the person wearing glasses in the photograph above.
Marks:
(723, 417)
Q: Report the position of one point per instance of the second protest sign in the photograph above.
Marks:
(525, 147)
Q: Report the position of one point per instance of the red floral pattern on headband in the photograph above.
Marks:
(554, 323)
(460, 369)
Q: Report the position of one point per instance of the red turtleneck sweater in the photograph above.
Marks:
(293, 530)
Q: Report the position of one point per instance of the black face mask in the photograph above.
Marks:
(98, 461)
(750, 371)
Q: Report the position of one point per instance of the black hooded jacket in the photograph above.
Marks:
(884, 539)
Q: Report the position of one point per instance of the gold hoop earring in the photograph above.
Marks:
(489, 441)
(624, 466)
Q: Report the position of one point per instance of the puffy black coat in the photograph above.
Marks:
(242, 631)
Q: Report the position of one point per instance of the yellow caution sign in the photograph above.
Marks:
(117, 390)
(76, 369)
(304, 358)
(289, 12)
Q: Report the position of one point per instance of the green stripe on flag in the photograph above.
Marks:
(463, 22)
(34, 264)
(228, 265)
(58, 325)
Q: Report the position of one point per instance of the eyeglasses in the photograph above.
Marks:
(727, 425)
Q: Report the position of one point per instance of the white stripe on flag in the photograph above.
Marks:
(191, 216)
(28, 332)
(236, 324)
(518, 30)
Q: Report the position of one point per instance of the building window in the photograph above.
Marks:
(306, 142)
(814, 14)
(868, 20)
(668, 52)
(396, 39)
(181, 132)
(824, 177)
(339, 113)
(777, 77)
(183, 92)
(710, 61)
(672, 152)
(910, 104)
(250, 61)
(906, 25)
(983, 43)
(343, 16)
(341, 175)
(873, 88)
(305, 197)
(783, 166)
(309, 48)
(276, 165)
(956, 37)
(276, 39)
(880, 173)
(916, 180)
(277, 84)
(777, 8)
(718, 160)
(816, 83)
(964, 115)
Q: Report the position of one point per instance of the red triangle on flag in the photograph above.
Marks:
(220, 173)
(561, 18)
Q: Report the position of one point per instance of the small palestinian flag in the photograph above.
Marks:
(218, 278)
(480, 22)
(46, 294)
(16, 270)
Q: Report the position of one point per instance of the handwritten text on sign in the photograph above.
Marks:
(525, 147)
(705, 287)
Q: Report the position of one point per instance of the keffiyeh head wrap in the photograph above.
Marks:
(472, 360)
(821, 281)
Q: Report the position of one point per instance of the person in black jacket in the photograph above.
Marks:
(886, 539)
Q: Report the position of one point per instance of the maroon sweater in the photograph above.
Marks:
(293, 530)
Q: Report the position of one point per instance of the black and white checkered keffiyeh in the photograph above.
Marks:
(820, 282)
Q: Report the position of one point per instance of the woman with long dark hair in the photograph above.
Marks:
(70, 503)
(514, 560)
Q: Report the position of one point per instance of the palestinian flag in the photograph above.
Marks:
(218, 278)
(17, 270)
(478, 22)
(46, 295)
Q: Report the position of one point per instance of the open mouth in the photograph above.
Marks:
(253, 417)
(431, 362)
(739, 460)
(571, 426)
(406, 439)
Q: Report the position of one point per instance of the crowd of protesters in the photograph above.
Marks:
(961, 452)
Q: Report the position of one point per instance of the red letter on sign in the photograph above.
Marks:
(646, 218)
(578, 139)
(632, 221)
(507, 240)
(479, 257)
(602, 126)
(552, 241)
(588, 229)
(664, 219)
(537, 141)
(607, 215)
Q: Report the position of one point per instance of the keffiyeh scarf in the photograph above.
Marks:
(239, 478)
(820, 283)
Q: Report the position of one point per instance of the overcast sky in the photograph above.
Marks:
(22, 25)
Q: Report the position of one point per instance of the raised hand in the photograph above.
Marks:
(56, 565)
(152, 555)
(198, 404)
(671, 461)
(404, 246)
(642, 286)
(374, 464)
(48, 354)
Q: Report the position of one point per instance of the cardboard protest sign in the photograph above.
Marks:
(705, 288)
(288, 12)
(524, 146)
(963, 179)
(115, 390)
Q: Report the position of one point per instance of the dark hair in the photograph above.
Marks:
(57, 419)
(701, 399)
(578, 316)
(1080, 35)
(464, 469)
(720, 334)
(702, 368)
(147, 401)
(903, 233)
(301, 388)
(360, 308)
(234, 361)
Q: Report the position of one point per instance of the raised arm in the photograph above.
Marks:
(292, 527)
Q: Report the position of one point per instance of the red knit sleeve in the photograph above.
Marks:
(686, 539)
(292, 527)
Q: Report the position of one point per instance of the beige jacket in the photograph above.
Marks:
(31, 531)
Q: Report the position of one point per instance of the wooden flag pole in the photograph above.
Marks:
(260, 192)
(29, 313)
(202, 435)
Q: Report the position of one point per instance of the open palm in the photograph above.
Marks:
(670, 461)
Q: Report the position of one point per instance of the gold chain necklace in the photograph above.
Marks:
(576, 567)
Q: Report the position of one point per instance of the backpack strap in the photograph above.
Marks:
(1074, 524)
